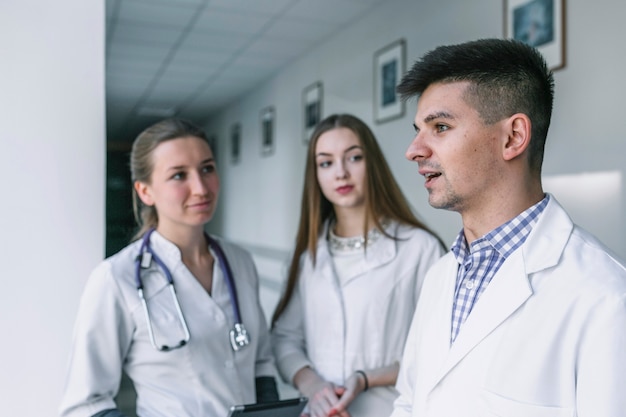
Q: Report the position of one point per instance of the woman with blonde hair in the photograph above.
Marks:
(177, 309)
(354, 279)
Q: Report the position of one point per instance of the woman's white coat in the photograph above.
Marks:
(203, 378)
(361, 323)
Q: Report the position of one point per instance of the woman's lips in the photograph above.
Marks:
(201, 205)
(344, 189)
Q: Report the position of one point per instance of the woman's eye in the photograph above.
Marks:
(355, 158)
(208, 169)
(178, 176)
(323, 164)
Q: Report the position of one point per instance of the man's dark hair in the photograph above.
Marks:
(506, 77)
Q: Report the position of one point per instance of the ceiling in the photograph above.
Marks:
(189, 58)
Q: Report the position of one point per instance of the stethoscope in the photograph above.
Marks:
(238, 335)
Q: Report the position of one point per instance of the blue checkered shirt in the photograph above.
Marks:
(480, 262)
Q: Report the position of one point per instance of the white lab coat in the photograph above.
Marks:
(203, 378)
(361, 323)
(547, 338)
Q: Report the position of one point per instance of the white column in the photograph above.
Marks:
(52, 185)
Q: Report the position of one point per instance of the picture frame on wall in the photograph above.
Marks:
(312, 96)
(389, 66)
(267, 119)
(235, 143)
(539, 23)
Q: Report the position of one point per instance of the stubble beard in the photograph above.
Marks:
(448, 201)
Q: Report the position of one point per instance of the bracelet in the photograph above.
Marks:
(367, 384)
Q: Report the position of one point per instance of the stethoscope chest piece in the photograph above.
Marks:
(239, 337)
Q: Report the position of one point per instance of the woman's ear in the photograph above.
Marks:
(518, 130)
(144, 192)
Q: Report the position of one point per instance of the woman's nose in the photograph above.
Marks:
(341, 171)
(198, 185)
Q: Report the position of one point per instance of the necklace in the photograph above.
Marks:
(350, 244)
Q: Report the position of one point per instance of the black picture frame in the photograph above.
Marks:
(235, 143)
(312, 100)
(389, 66)
(539, 23)
(268, 130)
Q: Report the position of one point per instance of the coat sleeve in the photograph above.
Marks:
(601, 367)
(403, 405)
(102, 335)
(288, 339)
(264, 365)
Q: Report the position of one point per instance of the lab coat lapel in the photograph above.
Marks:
(437, 332)
(377, 254)
(324, 267)
(511, 287)
(506, 292)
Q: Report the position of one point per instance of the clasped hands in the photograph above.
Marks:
(327, 399)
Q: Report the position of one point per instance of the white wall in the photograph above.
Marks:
(52, 180)
(261, 196)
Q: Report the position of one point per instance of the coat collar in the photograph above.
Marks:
(548, 239)
(383, 251)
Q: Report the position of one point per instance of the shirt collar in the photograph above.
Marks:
(505, 239)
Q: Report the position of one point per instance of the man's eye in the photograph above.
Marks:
(178, 176)
(442, 128)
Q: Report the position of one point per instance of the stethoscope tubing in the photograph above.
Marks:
(238, 335)
(232, 289)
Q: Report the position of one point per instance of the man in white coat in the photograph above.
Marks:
(526, 316)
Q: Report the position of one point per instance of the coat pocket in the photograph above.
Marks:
(494, 405)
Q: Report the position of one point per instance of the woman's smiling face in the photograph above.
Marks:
(184, 184)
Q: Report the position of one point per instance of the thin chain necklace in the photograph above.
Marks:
(350, 244)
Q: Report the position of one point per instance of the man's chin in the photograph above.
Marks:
(441, 204)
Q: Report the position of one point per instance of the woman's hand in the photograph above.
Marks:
(322, 395)
(323, 399)
(362, 380)
(354, 385)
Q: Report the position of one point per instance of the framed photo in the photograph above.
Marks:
(235, 143)
(539, 23)
(389, 65)
(267, 130)
(312, 108)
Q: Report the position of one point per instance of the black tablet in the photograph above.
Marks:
(284, 408)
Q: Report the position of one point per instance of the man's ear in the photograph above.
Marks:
(144, 192)
(518, 131)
